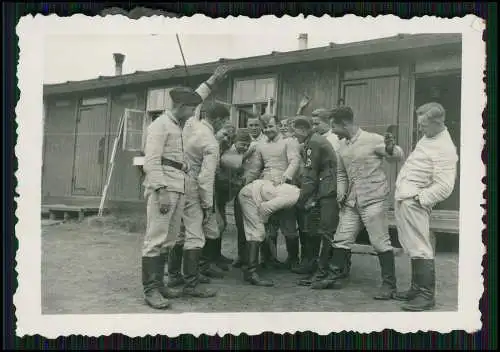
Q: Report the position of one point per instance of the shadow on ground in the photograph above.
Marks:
(94, 267)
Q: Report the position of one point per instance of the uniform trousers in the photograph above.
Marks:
(284, 220)
(197, 228)
(254, 228)
(322, 219)
(374, 219)
(162, 230)
(412, 222)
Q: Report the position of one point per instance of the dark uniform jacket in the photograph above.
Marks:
(319, 173)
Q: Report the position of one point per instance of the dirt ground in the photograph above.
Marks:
(94, 267)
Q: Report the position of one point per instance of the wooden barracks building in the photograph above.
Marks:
(383, 80)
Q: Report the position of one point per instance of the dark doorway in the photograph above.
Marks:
(444, 89)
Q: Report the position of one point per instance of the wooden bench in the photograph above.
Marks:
(442, 221)
(56, 209)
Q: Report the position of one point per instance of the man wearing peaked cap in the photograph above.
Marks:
(164, 167)
(303, 121)
(185, 95)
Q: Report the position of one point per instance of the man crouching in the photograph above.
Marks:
(259, 200)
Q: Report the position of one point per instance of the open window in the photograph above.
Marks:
(254, 96)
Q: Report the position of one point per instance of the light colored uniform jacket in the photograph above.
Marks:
(202, 155)
(164, 139)
(360, 176)
(253, 166)
(430, 171)
(201, 151)
(333, 139)
(275, 159)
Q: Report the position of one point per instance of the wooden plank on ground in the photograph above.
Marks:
(368, 250)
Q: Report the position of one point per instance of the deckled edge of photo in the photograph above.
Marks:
(32, 32)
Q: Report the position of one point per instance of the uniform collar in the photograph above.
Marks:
(172, 117)
(278, 137)
(355, 137)
(308, 139)
(258, 137)
(208, 124)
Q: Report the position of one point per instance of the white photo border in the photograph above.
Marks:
(29, 111)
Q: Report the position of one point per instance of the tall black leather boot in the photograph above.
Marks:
(174, 263)
(273, 261)
(208, 259)
(222, 261)
(238, 219)
(250, 274)
(310, 261)
(152, 280)
(323, 265)
(337, 271)
(191, 267)
(425, 282)
(165, 290)
(303, 238)
(413, 290)
(292, 247)
(387, 268)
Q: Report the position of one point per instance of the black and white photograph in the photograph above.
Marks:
(240, 175)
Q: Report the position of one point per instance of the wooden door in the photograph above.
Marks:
(374, 102)
(90, 147)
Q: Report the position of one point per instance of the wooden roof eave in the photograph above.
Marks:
(302, 56)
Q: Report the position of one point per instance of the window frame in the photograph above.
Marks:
(94, 100)
(126, 118)
(164, 106)
(256, 104)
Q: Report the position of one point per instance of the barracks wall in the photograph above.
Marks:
(80, 128)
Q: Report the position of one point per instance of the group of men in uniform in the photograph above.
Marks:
(317, 180)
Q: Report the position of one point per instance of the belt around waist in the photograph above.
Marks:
(175, 164)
